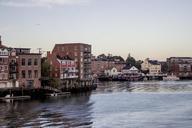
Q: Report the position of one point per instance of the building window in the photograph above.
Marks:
(23, 73)
(29, 74)
(36, 73)
(30, 83)
(29, 62)
(23, 62)
(3, 76)
(81, 54)
(75, 53)
(36, 62)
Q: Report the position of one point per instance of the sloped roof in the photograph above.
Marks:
(133, 68)
(127, 67)
(154, 62)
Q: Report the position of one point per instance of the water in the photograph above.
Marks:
(112, 105)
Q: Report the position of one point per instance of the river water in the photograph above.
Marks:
(112, 105)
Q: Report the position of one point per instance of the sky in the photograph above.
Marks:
(155, 29)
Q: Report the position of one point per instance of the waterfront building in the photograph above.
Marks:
(152, 67)
(180, 66)
(111, 72)
(79, 52)
(4, 66)
(13, 67)
(99, 66)
(29, 68)
(128, 70)
(67, 68)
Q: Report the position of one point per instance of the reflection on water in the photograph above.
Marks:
(113, 104)
(57, 112)
(148, 86)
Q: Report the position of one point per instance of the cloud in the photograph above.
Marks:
(39, 3)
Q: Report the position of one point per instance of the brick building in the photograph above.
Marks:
(29, 67)
(67, 68)
(99, 66)
(180, 66)
(80, 53)
(19, 67)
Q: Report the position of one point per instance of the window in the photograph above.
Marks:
(23, 62)
(75, 53)
(29, 62)
(29, 74)
(23, 73)
(62, 49)
(36, 62)
(30, 83)
(36, 73)
(81, 53)
(3, 76)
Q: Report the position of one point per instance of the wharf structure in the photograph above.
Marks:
(71, 64)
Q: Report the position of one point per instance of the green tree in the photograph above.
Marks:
(54, 82)
(46, 79)
(45, 68)
(130, 61)
(138, 64)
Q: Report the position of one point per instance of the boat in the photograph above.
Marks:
(171, 78)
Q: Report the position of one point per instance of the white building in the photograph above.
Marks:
(111, 72)
(132, 70)
(4, 67)
(152, 66)
(67, 68)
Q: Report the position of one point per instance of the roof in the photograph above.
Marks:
(180, 58)
(154, 62)
(133, 68)
(127, 67)
(64, 44)
(64, 58)
(22, 48)
(72, 44)
(29, 54)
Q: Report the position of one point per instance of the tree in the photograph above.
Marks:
(45, 68)
(138, 64)
(46, 79)
(102, 57)
(130, 61)
(118, 58)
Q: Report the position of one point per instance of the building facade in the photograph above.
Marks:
(4, 67)
(180, 66)
(29, 67)
(67, 68)
(99, 66)
(153, 67)
(80, 53)
(111, 72)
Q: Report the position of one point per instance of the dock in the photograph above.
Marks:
(16, 98)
